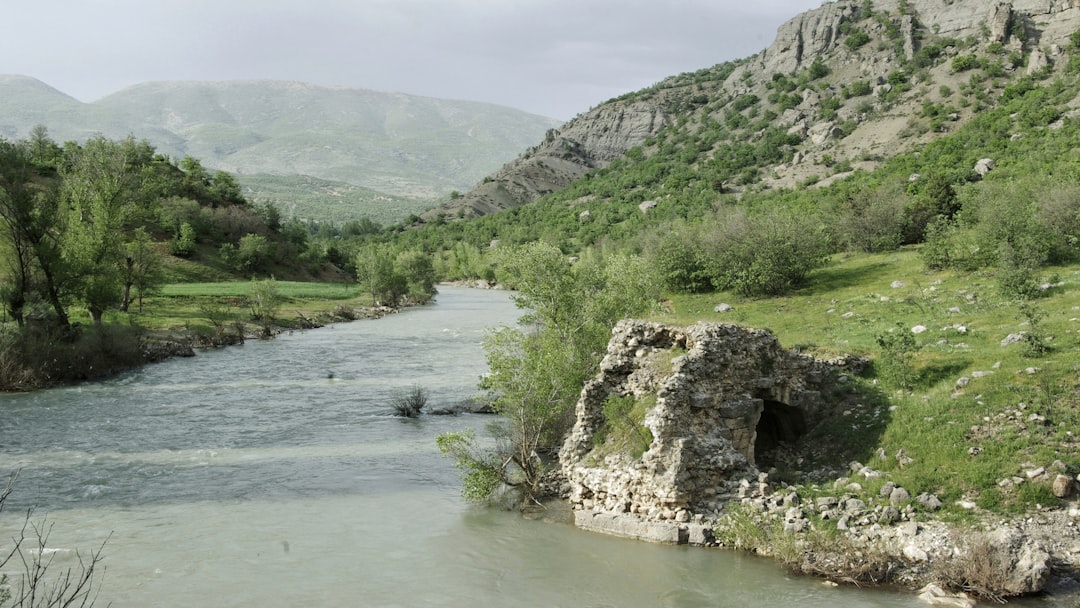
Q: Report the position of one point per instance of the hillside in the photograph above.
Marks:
(891, 180)
(842, 87)
(401, 145)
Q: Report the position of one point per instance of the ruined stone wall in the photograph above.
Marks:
(712, 384)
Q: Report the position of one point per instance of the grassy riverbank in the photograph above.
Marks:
(168, 324)
(982, 412)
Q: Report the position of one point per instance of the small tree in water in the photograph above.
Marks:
(265, 300)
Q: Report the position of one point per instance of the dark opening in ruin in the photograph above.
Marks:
(780, 424)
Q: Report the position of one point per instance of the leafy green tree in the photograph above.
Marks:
(224, 188)
(376, 274)
(102, 191)
(183, 244)
(418, 271)
(680, 261)
(254, 253)
(31, 223)
(536, 373)
(898, 346)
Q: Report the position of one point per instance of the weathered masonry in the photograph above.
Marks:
(725, 398)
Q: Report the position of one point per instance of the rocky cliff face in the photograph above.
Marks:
(589, 141)
(726, 398)
(817, 33)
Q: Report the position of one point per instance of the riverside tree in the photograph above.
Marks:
(101, 184)
(537, 370)
(389, 275)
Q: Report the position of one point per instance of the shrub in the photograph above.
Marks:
(858, 88)
(680, 261)
(183, 245)
(894, 364)
(856, 39)
(817, 69)
(264, 302)
(1034, 338)
(963, 63)
(409, 403)
(872, 220)
(766, 253)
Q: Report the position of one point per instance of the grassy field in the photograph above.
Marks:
(970, 412)
(288, 289)
(195, 306)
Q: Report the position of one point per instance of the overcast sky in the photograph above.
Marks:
(551, 57)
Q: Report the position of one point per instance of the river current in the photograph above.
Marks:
(274, 474)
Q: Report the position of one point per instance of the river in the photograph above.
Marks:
(274, 474)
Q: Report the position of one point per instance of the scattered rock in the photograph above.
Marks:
(934, 595)
(918, 329)
(899, 496)
(984, 166)
(1012, 339)
(929, 502)
(723, 308)
(1063, 486)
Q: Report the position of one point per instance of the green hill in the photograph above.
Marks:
(406, 146)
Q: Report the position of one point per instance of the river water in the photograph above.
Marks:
(249, 476)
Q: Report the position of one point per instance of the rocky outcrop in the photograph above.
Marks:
(589, 141)
(725, 398)
(814, 33)
(807, 37)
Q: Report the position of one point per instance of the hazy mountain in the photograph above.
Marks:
(404, 145)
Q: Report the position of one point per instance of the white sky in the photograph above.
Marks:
(551, 57)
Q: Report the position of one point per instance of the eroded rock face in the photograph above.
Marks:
(589, 141)
(722, 394)
(813, 33)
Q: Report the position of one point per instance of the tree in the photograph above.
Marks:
(536, 373)
(31, 221)
(264, 301)
(376, 274)
(254, 253)
(183, 244)
(418, 271)
(102, 191)
(142, 268)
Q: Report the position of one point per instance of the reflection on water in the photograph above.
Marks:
(249, 477)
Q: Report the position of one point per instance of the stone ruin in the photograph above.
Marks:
(725, 397)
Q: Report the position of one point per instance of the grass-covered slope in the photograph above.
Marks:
(966, 411)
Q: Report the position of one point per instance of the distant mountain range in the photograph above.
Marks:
(409, 149)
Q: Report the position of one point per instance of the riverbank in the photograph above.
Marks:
(33, 360)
